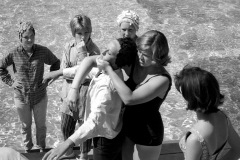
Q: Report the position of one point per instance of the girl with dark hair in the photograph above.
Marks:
(207, 139)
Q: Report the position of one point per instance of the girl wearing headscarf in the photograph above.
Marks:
(128, 22)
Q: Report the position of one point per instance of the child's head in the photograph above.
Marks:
(200, 89)
(81, 27)
(128, 22)
(26, 34)
(153, 47)
(23, 27)
(120, 52)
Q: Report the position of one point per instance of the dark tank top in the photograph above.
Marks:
(142, 123)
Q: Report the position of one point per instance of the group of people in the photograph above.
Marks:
(114, 96)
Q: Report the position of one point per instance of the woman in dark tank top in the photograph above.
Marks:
(142, 95)
(142, 123)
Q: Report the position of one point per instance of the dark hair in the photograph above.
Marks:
(127, 53)
(159, 45)
(200, 89)
(80, 21)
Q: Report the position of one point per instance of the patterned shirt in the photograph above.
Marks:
(71, 58)
(28, 72)
(205, 152)
(103, 116)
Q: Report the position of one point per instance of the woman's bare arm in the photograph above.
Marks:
(153, 88)
(85, 67)
(194, 148)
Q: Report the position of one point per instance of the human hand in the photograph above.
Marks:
(81, 47)
(72, 99)
(82, 50)
(51, 76)
(56, 153)
(101, 64)
(17, 85)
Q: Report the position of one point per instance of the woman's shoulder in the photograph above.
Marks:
(204, 129)
(213, 131)
(163, 73)
(160, 72)
(195, 142)
(161, 79)
(191, 137)
(157, 77)
(155, 80)
(194, 137)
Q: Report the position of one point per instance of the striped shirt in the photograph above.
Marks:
(28, 71)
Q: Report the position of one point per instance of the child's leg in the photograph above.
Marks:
(39, 113)
(67, 127)
(25, 115)
(86, 146)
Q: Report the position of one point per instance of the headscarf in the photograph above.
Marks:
(23, 27)
(129, 16)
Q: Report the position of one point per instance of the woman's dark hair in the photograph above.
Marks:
(200, 89)
(159, 46)
(127, 53)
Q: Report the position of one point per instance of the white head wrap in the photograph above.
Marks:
(129, 16)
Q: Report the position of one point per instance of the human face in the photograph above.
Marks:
(28, 39)
(127, 30)
(82, 34)
(110, 54)
(145, 56)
